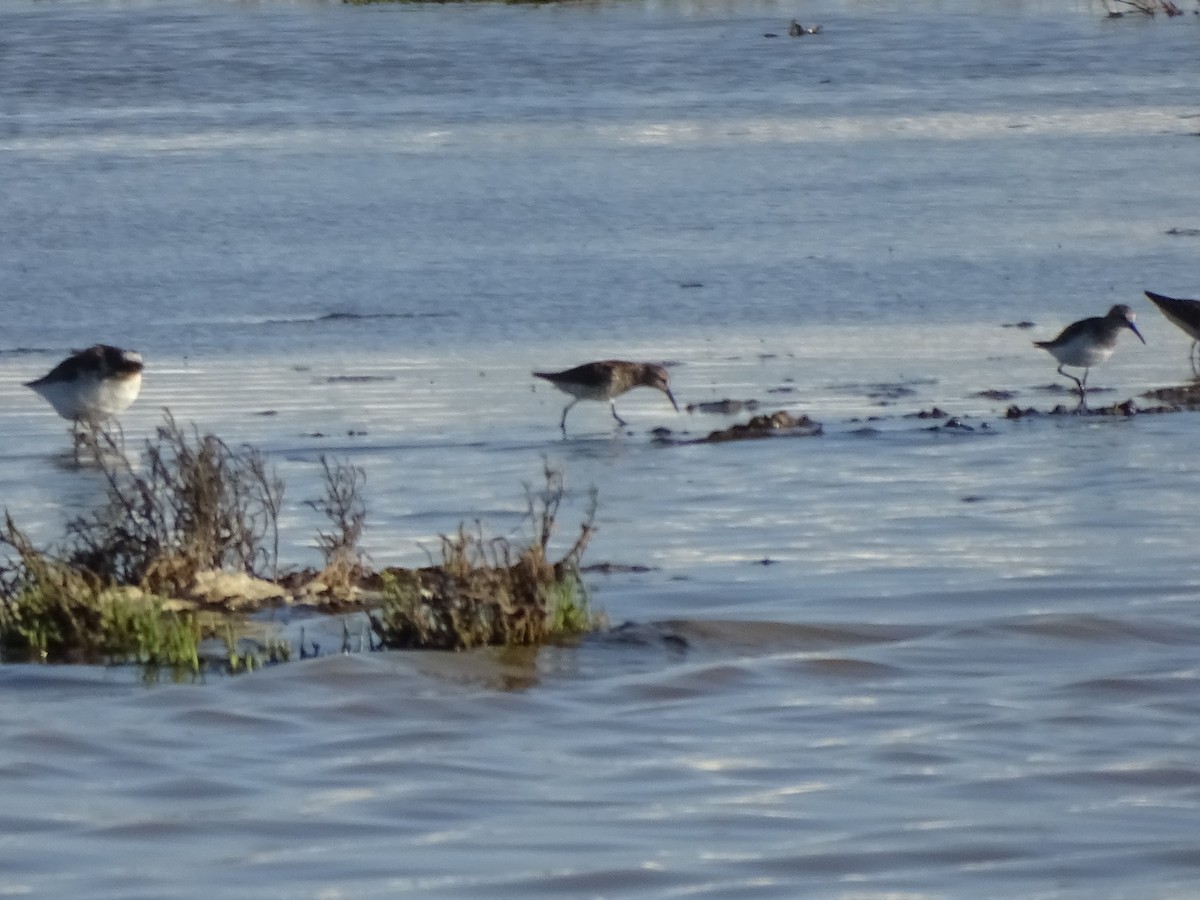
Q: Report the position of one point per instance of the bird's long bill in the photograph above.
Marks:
(671, 397)
(1133, 328)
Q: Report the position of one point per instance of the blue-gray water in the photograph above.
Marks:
(900, 662)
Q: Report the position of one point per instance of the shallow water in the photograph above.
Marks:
(893, 660)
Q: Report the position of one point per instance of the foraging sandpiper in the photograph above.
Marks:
(1089, 342)
(607, 380)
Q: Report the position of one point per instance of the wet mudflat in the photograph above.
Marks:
(892, 657)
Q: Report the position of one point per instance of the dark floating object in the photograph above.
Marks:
(1089, 342)
(1183, 232)
(795, 29)
(996, 394)
(1024, 323)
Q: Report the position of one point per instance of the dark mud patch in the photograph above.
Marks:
(934, 413)
(725, 407)
(1184, 396)
(889, 392)
(946, 422)
(776, 424)
(885, 392)
(340, 316)
(611, 568)
(357, 379)
(1060, 388)
(996, 394)
(354, 317)
(1125, 409)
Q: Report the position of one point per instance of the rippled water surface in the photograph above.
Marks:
(899, 659)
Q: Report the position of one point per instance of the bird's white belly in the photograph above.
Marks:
(1082, 353)
(89, 397)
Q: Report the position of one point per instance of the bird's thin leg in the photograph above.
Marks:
(1078, 383)
(612, 404)
(566, 409)
(1195, 358)
(77, 439)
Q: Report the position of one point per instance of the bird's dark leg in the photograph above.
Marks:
(1078, 383)
(78, 438)
(566, 409)
(612, 404)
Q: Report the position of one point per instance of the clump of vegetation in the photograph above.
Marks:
(488, 591)
(344, 507)
(134, 580)
(52, 611)
(194, 505)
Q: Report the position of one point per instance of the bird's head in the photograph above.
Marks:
(656, 377)
(1125, 316)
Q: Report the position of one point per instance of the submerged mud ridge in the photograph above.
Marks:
(1183, 397)
(1124, 409)
(782, 423)
(777, 424)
